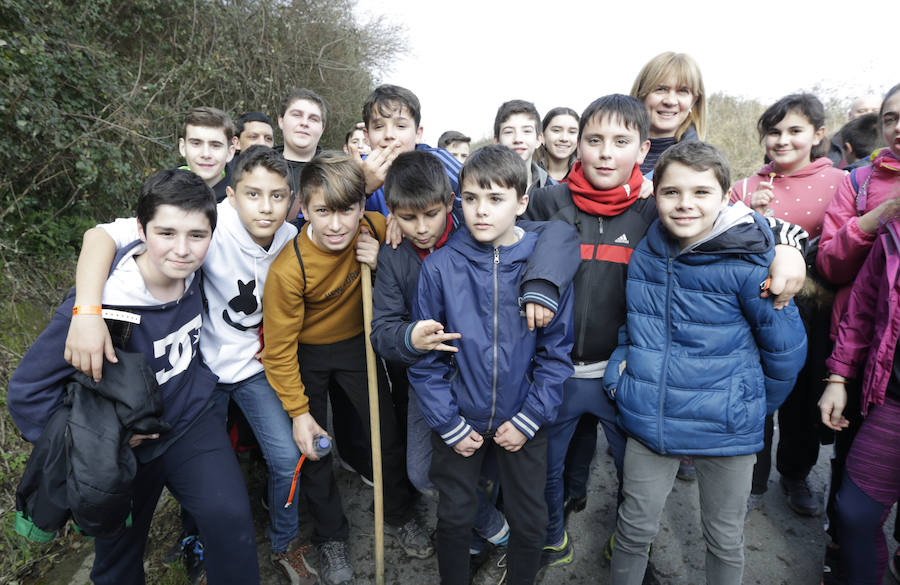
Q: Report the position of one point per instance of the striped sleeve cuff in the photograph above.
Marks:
(525, 424)
(407, 340)
(788, 234)
(542, 292)
(458, 433)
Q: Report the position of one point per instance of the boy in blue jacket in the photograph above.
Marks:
(418, 194)
(504, 382)
(702, 359)
(153, 292)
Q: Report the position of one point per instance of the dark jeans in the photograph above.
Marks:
(201, 471)
(456, 478)
(344, 364)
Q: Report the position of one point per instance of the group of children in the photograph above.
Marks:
(656, 315)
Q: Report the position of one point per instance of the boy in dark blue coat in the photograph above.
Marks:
(504, 382)
(702, 359)
(419, 196)
(154, 290)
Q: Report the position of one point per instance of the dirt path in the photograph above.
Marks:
(781, 547)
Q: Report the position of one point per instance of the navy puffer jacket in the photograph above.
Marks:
(706, 357)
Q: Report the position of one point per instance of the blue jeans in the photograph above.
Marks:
(274, 432)
(488, 521)
(580, 396)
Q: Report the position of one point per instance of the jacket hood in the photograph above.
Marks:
(737, 230)
(816, 166)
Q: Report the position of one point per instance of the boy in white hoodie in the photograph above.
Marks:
(251, 233)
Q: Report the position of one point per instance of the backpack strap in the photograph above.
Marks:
(862, 191)
(299, 259)
(371, 226)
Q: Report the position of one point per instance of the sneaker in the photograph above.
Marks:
(894, 565)
(800, 497)
(554, 556)
(573, 505)
(292, 563)
(334, 563)
(686, 469)
(753, 503)
(501, 568)
(608, 547)
(192, 557)
(832, 570)
(478, 560)
(411, 538)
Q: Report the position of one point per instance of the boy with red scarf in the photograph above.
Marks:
(600, 198)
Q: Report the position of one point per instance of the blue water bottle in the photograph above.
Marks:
(321, 445)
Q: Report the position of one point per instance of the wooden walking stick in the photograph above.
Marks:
(375, 423)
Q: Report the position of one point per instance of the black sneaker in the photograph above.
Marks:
(800, 497)
(686, 469)
(334, 563)
(411, 538)
(573, 505)
(554, 556)
(832, 570)
(192, 557)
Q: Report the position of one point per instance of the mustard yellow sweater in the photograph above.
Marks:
(323, 308)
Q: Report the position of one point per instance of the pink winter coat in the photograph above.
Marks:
(843, 246)
(870, 327)
(800, 198)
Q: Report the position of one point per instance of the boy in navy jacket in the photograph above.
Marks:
(419, 196)
(156, 291)
(504, 382)
(704, 360)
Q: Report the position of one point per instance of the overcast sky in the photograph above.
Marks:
(466, 57)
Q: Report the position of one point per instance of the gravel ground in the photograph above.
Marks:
(781, 547)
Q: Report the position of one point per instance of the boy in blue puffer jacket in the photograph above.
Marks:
(504, 382)
(701, 360)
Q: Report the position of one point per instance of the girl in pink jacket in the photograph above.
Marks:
(796, 186)
(866, 200)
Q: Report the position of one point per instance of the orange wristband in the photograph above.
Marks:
(87, 310)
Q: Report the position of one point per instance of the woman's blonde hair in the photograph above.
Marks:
(686, 73)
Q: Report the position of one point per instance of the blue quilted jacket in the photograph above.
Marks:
(706, 357)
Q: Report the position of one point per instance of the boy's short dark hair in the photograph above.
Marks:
(180, 188)
(339, 178)
(513, 107)
(301, 93)
(451, 136)
(250, 117)
(387, 98)
(618, 107)
(259, 155)
(416, 180)
(863, 133)
(206, 117)
(700, 156)
(806, 104)
(496, 164)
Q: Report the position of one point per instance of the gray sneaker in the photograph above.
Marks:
(411, 538)
(334, 563)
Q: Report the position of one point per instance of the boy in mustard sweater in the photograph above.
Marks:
(313, 312)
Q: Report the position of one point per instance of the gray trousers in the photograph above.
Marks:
(724, 484)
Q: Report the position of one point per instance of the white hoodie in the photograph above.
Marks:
(234, 277)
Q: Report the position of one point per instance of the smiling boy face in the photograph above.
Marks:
(302, 126)
(331, 229)
(206, 151)
(609, 150)
(519, 132)
(261, 199)
(391, 123)
(689, 202)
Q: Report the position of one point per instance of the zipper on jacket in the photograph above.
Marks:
(578, 350)
(494, 377)
(666, 350)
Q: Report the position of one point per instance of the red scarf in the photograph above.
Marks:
(441, 241)
(611, 202)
